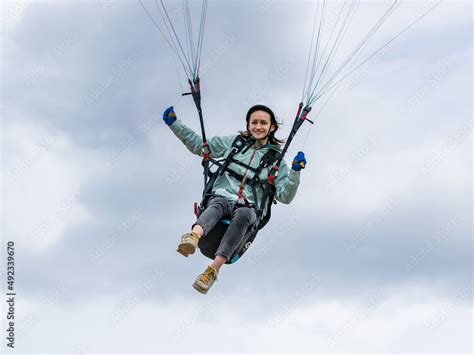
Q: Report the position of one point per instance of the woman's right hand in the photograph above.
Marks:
(169, 116)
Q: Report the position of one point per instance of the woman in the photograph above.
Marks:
(231, 197)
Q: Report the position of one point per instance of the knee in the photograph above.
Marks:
(219, 203)
(215, 207)
(243, 214)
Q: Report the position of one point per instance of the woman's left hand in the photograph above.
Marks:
(299, 162)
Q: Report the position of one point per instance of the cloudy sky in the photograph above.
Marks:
(373, 255)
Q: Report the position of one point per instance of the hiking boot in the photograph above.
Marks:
(188, 244)
(204, 281)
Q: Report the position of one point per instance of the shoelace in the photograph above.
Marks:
(207, 275)
(190, 236)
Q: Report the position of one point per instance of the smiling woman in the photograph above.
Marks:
(251, 176)
(262, 124)
(251, 173)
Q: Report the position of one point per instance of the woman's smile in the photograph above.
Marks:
(260, 125)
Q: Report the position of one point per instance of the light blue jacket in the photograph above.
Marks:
(286, 183)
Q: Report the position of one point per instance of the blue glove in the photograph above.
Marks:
(299, 162)
(169, 116)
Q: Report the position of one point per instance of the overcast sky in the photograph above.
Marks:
(373, 255)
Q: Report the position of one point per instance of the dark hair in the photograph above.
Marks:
(271, 137)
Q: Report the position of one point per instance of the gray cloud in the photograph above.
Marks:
(385, 201)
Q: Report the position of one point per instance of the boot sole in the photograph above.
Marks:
(186, 249)
(182, 253)
(199, 289)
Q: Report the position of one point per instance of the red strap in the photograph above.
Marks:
(206, 152)
(241, 196)
(299, 110)
(305, 113)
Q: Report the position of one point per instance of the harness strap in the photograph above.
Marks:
(242, 184)
(241, 196)
(267, 186)
(248, 167)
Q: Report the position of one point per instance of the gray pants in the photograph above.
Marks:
(241, 219)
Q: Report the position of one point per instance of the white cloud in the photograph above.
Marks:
(400, 322)
(13, 12)
(43, 176)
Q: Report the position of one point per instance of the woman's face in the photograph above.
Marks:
(260, 124)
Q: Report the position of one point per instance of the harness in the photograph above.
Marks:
(209, 244)
(263, 205)
(211, 241)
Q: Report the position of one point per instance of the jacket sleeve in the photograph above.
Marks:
(286, 183)
(193, 141)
